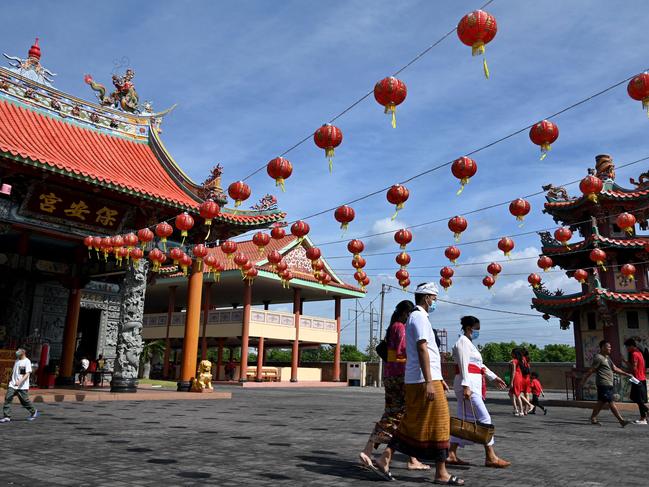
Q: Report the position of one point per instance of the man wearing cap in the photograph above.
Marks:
(424, 431)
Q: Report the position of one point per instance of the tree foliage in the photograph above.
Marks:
(501, 352)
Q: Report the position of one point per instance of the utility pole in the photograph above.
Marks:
(371, 330)
(380, 381)
(356, 323)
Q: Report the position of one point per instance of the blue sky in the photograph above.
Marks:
(252, 78)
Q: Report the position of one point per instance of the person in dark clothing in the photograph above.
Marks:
(537, 391)
(637, 367)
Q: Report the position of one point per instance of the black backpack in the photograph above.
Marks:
(382, 347)
(645, 355)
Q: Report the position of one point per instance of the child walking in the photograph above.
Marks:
(537, 391)
(19, 386)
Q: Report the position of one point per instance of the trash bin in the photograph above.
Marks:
(356, 372)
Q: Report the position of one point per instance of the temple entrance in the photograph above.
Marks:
(88, 333)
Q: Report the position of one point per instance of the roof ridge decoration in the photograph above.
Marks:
(31, 67)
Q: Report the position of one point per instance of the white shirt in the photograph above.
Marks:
(21, 367)
(465, 353)
(418, 328)
(85, 363)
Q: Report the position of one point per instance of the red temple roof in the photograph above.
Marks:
(615, 195)
(117, 162)
(578, 299)
(637, 242)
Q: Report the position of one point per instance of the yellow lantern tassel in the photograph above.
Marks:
(457, 236)
(631, 277)
(645, 105)
(200, 264)
(208, 224)
(485, 68)
(463, 182)
(398, 208)
(521, 219)
(601, 264)
(164, 243)
(329, 154)
(279, 182)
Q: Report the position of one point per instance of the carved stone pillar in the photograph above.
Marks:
(129, 337)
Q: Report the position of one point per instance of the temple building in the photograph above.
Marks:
(69, 169)
(611, 305)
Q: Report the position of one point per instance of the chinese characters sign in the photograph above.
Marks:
(86, 210)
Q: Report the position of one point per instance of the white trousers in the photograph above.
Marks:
(479, 406)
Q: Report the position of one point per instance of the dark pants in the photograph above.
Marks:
(535, 402)
(639, 396)
(23, 396)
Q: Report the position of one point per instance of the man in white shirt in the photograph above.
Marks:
(424, 431)
(19, 386)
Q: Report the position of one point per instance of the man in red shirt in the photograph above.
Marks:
(638, 391)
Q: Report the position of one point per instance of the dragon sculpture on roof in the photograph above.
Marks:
(124, 96)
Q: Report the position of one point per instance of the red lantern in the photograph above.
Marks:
(446, 272)
(398, 195)
(477, 29)
(628, 271)
(278, 233)
(328, 137)
(279, 169)
(402, 274)
(464, 169)
(543, 134)
(356, 247)
(96, 243)
(452, 253)
(446, 282)
(176, 254)
(130, 240)
(184, 223)
(116, 241)
(185, 263)
(403, 259)
(404, 284)
(239, 192)
(506, 244)
(286, 277)
(120, 254)
(209, 210)
(261, 240)
(494, 269)
(598, 256)
(136, 255)
(300, 229)
(105, 247)
(390, 92)
(563, 235)
(229, 247)
(534, 280)
(359, 276)
(210, 262)
(251, 274)
(403, 237)
(545, 263)
(317, 265)
(344, 215)
(626, 221)
(638, 89)
(313, 253)
(519, 208)
(591, 186)
(216, 267)
(240, 259)
(358, 263)
(274, 258)
(163, 230)
(88, 242)
(364, 283)
(488, 282)
(199, 251)
(281, 266)
(157, 257)
(581, 275)
(457, 225)
(145, 235)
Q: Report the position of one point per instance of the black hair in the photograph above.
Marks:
(630, 342)
(603, 342)
(518, 354)
(534, 375)
(469, 322)
(404, 306)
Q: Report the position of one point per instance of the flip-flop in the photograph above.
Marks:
(365, 461)
(452, 480)
(422, 467)
(457, 462)
(384, 475)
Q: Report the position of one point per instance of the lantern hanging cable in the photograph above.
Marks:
(366, 95)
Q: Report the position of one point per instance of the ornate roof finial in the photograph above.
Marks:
(34, 51)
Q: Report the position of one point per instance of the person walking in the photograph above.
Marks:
(19, 386)
(83, 372)
(537, 391)
(424, 430)
(469, 373)
(604, 367)
(516, 382)
(637, 367)
(393, 373)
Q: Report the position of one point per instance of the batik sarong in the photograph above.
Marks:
(394, 409)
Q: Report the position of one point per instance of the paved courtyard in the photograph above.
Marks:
(292, 437)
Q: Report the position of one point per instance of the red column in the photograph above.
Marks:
(170, 311)
(337, 306)
(219, 360)
(297, 311)
(245, 332)
(66, 375)
(260, 358)
(192, 328)
(206, 310)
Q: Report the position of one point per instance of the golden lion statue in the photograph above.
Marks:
(203, 382)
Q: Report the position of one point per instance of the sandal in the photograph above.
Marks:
(423, 466)
(594, 421)
(452, 480)
(498, 463)
(365, 461)
(384, 475)
(457, 462)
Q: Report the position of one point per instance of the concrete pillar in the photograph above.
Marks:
(260, 359)
(266, 305)
(206, 310)
(171, 306)
(66, 373)
(297, 311)
(192, 327)
(245, 331)
(336, 372)
(219, 359)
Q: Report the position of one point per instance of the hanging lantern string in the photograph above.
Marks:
(368, 94)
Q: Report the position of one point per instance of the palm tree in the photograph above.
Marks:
(152, 349)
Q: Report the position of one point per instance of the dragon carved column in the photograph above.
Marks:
(129, 337)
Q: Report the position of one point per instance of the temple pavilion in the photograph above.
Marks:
(70, 168)
(610, 305)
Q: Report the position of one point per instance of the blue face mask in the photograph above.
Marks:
(475, 334)
(432, 307)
